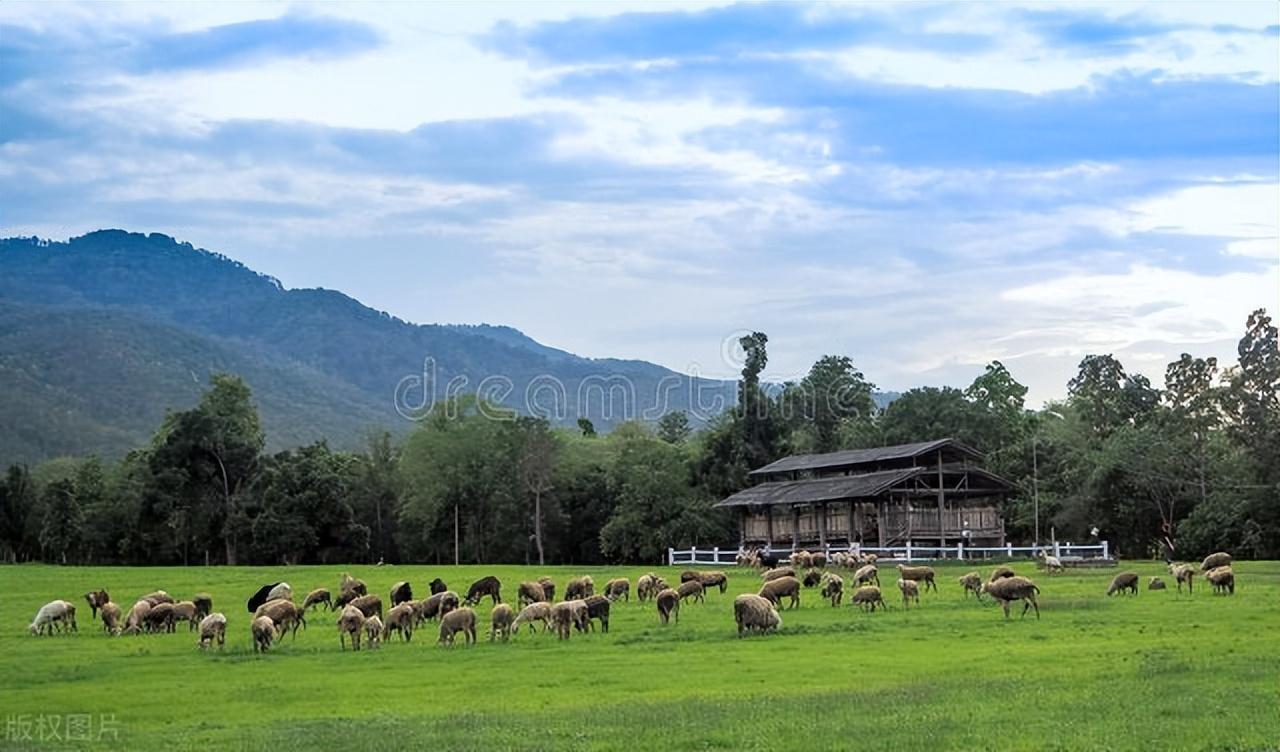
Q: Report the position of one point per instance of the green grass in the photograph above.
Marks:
(1159, 671)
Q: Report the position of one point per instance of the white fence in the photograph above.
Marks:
(1072, 551)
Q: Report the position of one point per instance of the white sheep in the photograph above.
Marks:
(53, 613)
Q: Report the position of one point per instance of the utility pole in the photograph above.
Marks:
(1035, 484)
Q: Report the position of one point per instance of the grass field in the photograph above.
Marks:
(1159, 671)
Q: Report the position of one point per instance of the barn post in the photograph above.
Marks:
(768, 511)
(795, 527)
(851, 521)
(822, 526)
(942, 505)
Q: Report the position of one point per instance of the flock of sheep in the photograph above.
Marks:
(361, 615)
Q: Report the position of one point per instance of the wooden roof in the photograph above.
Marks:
(851, 487)
(855, 457)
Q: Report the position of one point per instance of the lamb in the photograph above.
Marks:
(971, 583)
(53, 613)
(437, 605)
(213, 628)
(1223, 580)
(285, 614)
(399, 619)
(489, 586)
(500, 621)
(437, 586)
(264, 631)
(692, 589)
(350, 623)
(529, 592)
(833, 588)
(459, 620)
(548, 588)
(1008, 589)
(618, 588)
(368, 605)
(867, 574)
(1215, 561)
(1124, 581)
(540, 611)
(812, 578)
(316, 597)
(867, 597)
(1155, 583)
(401, 592)
(580, 588)
(373, 630)
(185, 611)
(110, 618)
(567, 615)
(1000, 573)
(1182, 573)
(204, 604)
(910, 589)
(96, 600)
(776, 590)
(778, 572)
(755, 614)
(668, 605)
(1051, 563)
(598, 608)
(137, 617)
(160, 618)
(918, 574)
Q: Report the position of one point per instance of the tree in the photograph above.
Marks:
(757, 415)
(376, 491)
(833, 393)
(62, 526)
(536, 459)
(17, 503)
(673, 427)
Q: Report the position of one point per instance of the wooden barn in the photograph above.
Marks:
(931, 493)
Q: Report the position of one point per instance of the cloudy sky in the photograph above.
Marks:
(921, 187)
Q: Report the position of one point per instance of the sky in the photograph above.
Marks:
(922, 187)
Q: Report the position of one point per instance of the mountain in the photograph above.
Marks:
(100, 335)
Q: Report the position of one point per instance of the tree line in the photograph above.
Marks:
(1176, 471)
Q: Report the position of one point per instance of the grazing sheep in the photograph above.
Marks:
(373, 630)
(437, 586)
(747, 559)
(350, 623)
(540, 611)
(1051, 563)
(867, 574)
(755, 614)
(688, 574)
(918, 574)
(811, 578)
(646, 586)
(500, 621)
(489, 586)
(399, 619)
(1008, 589)
(157, 598)
(352, 584)
(598, 608)
(668, 605)
(774, 574)
(1000, 573)
(264, 631)
(1215, 561)
(345, 597)
(529, 592)
(1155, 583)
(833, 588)
(285, 614)
(868, 597)
(281, 592)
(801, 559)
(818, 560)
(548, 588)
(96, 600)
(368, 605)
(580, 588)
(1223, 580)
(185, 611)
(972, 583)
(52, 614)
(110, 618)
(1124, 581)
(692, 589)
(260, 597)
(401, 592)
(213, 628)
(910, 589)
(137, 618)
(567, 615)
(316, 597)
(776, 590)
(714, 579)
(160, 618)
(437, 605)
(459, 620)
(1183, 573)
(204, 604)
(618, 588)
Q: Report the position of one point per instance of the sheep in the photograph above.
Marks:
(646, 586)
(776, 590)
(260, 597)
(548, 588)
(368, 605)
(529, 592)
(692, 589)
(567, 615)
(618, 588)
(1000, 573)
(399, 619)
(459, 620)
(437, 586)
(1155, 583)
(53, 613)
(1223, 580)
(910, 589)
(285, 614)
(110, 618)
(264, 631)
(918, 574)
(801, 559)
(867, 597)
(867, 574)
(755, 614)
(281, 592)
(401, 592)
(489, 586)
(204, 604)
(688, 574)
(811, 578)
(580, 588)
(185, 611)
(350, 623)
(1124, 581)
(1051, 563)
(137, 617)
(1008, 589)
(833, 588)
(160, 618)
(818, 560)
(668, 605)
(344, 598)
(972, 583)
(500, 620)
(373, 630)
(213, 628)
(349, 583)
(747, 559)
(96, 600)
(1215, 561)
(316, 597)
(774, 574)
(714, 579)
(1183, 573)
(598, 608)
(540, 611)
(437, 605)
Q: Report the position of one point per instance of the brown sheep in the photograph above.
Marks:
(437, 606)
(540, 611)
(910, 589)
(213, 628)
(714, 579)
(598, 608)
(264, 631)
(548, 588)
(776, 590)
(368, 605)
(618, 588)
(137, 618)
(755, 614)
(778, 572)
(801, 559)
(1000, 573)
(458, 620)
(1008, 589)
(818, 560)
(317, 597)
(399, 619)
(972, 583)
(350, 584)
(350, 624)
(204, 604)
(1215, 561)
(486, 586)
(919, 574)
(529, 592)
(160, 618)
(568, 615)
(157, 598)
(1223, 580)
(500, 621)
(811, 578)
(580, 588)
(868, 597)
(692, 589)
(285, 614)
(1183, 573)
(833, 588)
(110, 618)
(373, 630)
(647, 587)
(96, 600)
(866, 575)
(1155, 583)
(1124, 581)
(185, 611)
(668, 605)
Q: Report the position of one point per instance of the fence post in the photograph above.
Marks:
(1057, 549)
(716, 551)
(1008, 549)
(671, 557)
(960, 551)
(908, 550)
(1105, 550)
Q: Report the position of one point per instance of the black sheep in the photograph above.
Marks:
(260, 597)
(489, 586)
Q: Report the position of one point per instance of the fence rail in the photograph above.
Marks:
(1065, 551)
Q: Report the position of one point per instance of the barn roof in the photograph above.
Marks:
(855, 457)
(819, 489)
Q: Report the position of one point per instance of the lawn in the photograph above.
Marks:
(1156, 671)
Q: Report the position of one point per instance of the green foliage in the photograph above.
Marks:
(674, 427)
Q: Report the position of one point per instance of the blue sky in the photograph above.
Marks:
(922, 187)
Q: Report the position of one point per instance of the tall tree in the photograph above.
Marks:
(673, 427)
(832, 393)
(536, 450)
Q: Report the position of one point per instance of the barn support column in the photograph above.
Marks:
(822, 527)
(795, 528)
(880, 511)
(942, 506)
(851, 527)
(768, 524)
